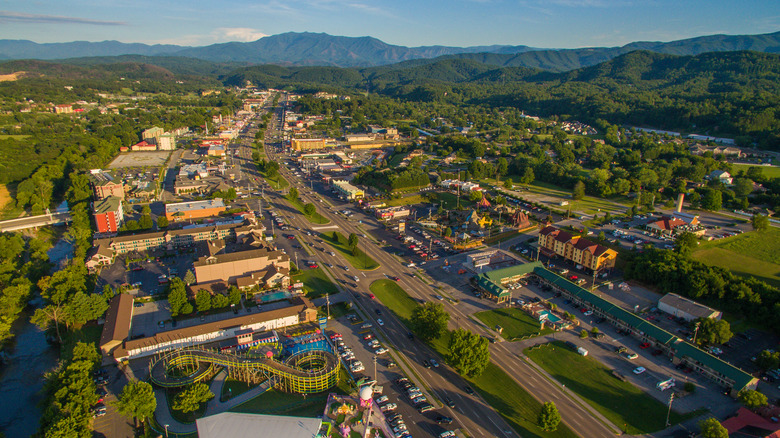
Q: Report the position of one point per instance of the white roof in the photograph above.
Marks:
(194, 205)
(236, 425)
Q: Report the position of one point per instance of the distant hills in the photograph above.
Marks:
(319, 49)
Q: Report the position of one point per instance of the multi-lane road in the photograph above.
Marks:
(471, 413)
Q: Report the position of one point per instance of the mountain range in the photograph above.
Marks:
(319, 49)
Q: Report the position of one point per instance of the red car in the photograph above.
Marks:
(397, 278)
(372, 296)
(314, 266)
(644, 345)
(367, 337)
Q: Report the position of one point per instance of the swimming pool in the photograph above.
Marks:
(550, 316)
(275, 296)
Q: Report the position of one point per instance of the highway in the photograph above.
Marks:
(471, 412)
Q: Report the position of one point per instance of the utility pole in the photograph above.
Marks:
(327, 303)
(669, 412)
(374, 358)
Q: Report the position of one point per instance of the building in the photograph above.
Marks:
(301, 144)
(392, 213)
(554, 242)
(720, 175)
(356, 138)
(166, 142)
(347, 191)
(685, 308)
(241, 265)
(298, 310)
(116, 329)
(236, 425)
(678, 350)
(108, 214)
(181, 211)
(216, 150)
(152, 135)
(143, 146)
(63, 108)
(103, 185)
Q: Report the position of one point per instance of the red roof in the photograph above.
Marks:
(668, 223)
(746, 418)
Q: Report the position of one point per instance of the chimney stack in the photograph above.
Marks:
(680, 199)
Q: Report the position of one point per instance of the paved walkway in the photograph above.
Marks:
(215, 406)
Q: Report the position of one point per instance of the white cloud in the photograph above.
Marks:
(238, 34)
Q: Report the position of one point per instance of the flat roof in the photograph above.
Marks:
(687, 305)
(194, 205)
(237, 425)
(108, 204)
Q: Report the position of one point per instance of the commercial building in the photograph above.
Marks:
(554, 242)
(143, 146)
(230, 267)
(116, 329)
(63, 108)
(678, 350)
(392, 213)
(296, 310)
(103, 185)
(301, 144)
(685, 308)
(216, 150)
(237, 425)
(347, 191)
(152, 135)
(181, 211)
(108, 214)
(166, 142)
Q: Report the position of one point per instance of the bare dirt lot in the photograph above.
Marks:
(139, 159)
(5, 196)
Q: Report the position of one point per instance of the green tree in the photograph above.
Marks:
(355, 251)
(549, 417)
(578, 192)
(162, 221)
(508, 184)
(352, 241)
(711, 428)
(108, 292)
(293, 194)
(759, 222)
(583, 334)
(767, 360)
(131, 225)
(219, 301)
(234, 295)
(447, 232)
(594, 330)
(177, 296)
(713, 331)
(601, 237)
(203, 301)
(712, 200)
(429, 321)
(190, 399)
(685, 243)
(186, 309)
(475, 196)
(309, 209)
(137, 401)
(752, 399)
(146, 210)
(189, 278)
(469, 353)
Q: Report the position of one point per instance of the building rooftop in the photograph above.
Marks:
(240, 255)
(111, 203)
(237, 425)
(688, 306)
(194, 205)
(118, 316)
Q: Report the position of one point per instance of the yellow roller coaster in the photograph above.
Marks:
(306, 372)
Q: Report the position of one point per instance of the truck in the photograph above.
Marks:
(581, 351)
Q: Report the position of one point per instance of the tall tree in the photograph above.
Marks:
(759, 222)
(353, 240)
(578, 192)
(190, 399)
(713, 331)
(549, 417)
(469, 353)
(177, 295)
(189, 278)
(711, 428)
(203, 301)
(137, 401)
(429, 321)
(752, 399)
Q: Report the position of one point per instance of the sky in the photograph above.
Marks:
(535, 23)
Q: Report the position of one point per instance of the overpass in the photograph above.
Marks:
(43, 220)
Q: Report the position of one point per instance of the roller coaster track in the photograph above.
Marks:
(289, 376)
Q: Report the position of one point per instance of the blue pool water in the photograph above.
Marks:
(276, 296)
(550, 316)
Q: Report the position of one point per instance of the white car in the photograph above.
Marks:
(639, 370)
(380, 351)
(380, 322)
(631, 356)
(588, 313)
(358, 368)
(389, 407)
(382, 399)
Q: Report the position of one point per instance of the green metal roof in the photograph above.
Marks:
(684, 349)
(497, 275)
(491, 288)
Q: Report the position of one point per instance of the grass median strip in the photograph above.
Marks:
(359, 259)
(315, 283)
(508, 398)
(315, 218)
(515, 322)
(619, 401)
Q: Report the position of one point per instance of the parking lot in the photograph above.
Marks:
(140, 159)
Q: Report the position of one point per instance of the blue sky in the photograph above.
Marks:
(536, 23)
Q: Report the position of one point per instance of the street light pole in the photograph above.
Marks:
(166, 431)
(374, 368)
(669, 412)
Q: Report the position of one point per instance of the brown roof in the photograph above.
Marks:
(243, 255)
(117, 325)
(143, 236)
(578, 242)
(668, 223)
(297, 305)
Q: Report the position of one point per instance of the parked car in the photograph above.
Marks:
(639, 370)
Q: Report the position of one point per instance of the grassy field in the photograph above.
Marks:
(510, 400)
(315, 283)
(235, 387)
(5, 196)
(767, 171)
(515, 322)
(750, 254)
(589, 204)
(13, 136)
(450, 201)
(360, 261)
(315, 218)
(621, 402)
(406, 200)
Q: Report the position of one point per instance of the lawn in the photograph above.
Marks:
(13, 136)
(394, 298)
(315, 218)
(620, 402)
(278, 182)
(749, 254)
(283, 403)
(588, 204)
(405, 200)
(235, 387)
(508, 398)
(767, 171)
(360, 260)
(315, 283)
(516, 323)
